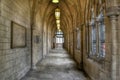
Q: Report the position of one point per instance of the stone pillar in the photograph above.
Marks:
(112, 13)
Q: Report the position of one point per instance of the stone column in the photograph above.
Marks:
(112, 13)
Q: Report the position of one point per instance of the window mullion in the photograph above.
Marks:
(97, 40)
(90, 41)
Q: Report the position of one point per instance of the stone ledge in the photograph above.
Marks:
(113, 11)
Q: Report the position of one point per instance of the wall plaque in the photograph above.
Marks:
(18, 35)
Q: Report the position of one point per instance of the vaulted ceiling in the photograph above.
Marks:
(72, 12)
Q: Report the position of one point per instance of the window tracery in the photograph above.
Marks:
(97, 32)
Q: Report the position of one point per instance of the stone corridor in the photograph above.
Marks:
(59, 39)
(56, 66)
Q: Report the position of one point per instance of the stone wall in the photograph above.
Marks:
(118, 48)
(37, 46)
(78, 58)
(16, 62)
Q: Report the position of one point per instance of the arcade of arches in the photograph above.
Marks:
(31, 46)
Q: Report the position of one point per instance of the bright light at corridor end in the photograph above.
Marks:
(55, 1)
(57, 13)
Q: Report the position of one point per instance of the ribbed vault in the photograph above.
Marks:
(71, 12)
(71, 16)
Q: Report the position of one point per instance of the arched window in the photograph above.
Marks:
(97, 34)
(93, 39)
(101, 27)
(93, 35)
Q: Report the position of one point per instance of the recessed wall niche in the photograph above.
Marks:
(18, 35)
(78, 40)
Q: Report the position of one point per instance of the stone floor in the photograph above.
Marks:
(56, 66)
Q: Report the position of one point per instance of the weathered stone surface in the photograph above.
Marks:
(56, 66)
(14, 63)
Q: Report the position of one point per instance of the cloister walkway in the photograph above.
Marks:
(56, 66)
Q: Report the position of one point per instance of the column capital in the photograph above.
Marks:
(113, 11)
